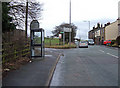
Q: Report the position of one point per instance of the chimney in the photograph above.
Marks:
(101, 25)
(108, 23)
(98, 25)
(105, 25)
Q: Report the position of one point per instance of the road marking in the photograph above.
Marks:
(113, 55)
(102, 51)
(109, 54)
(112, 49)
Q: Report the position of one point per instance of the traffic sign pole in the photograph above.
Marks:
(64, 38)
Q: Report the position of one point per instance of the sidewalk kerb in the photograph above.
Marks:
(52, 71)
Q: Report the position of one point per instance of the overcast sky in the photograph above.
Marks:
(57, 12)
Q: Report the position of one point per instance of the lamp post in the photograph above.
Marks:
(88, 22)
(89, 25)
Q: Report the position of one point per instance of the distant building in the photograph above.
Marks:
(102, 34)
(97, 34)
(111, 31)
(91, 34)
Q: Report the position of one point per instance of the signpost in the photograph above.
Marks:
(67, 30)
(63, 37)
(60, 35)
(61, 32)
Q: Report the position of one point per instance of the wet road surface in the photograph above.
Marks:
(93, 66)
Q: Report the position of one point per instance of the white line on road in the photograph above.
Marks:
(102, 51)
(113, 55)
(109, 54)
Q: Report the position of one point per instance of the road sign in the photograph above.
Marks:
(62, 32)
(60, 35)
(67, 29)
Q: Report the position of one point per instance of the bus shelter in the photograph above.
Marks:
(37, 40)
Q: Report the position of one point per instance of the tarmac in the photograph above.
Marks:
(34, 74)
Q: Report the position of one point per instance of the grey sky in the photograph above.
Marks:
(57, 12)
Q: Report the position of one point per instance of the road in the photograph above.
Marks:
(93, 66)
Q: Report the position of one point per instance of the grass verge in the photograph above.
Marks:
(66, 46)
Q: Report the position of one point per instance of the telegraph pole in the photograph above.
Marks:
(70, 24)
(26, 19)
(70, 13)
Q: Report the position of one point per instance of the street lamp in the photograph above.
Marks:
(89, 24)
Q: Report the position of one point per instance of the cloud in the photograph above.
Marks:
(83, 27)
(57, 11)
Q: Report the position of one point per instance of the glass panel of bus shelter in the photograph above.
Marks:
(36, 51)
(37, 38)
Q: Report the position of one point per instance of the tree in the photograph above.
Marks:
(7, 24)
(59, 29)
(24, 12)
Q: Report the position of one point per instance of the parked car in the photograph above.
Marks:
(90, 42)
(107, 42)
(83, 44)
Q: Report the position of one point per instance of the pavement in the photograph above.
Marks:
(34, 74)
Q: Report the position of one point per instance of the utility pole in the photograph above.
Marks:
(64, 38)
(70, 24)
(88, 23)
(26, 19)
(89, 26)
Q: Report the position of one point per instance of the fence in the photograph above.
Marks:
(14, 46)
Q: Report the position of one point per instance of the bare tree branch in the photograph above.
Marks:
(18, 11)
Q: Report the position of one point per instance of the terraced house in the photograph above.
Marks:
(102, 34)
(111, 31)
(91, 34)
(97, 34)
